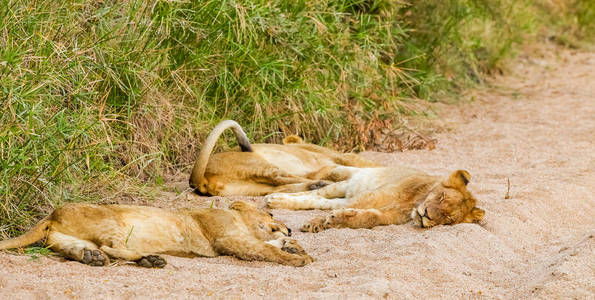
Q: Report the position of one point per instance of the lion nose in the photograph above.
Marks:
(289, 231)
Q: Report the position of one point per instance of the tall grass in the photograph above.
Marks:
(568, 22)
(94, 93)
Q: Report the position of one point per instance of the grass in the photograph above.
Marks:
(569, 23)
(35, 252)
(102, 95)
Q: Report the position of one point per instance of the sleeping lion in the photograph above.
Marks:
(91, 234)
(381, 196)
(261, 169)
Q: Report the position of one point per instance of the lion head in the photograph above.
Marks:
(448, 202)
(261, 222)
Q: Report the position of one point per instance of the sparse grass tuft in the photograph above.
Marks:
(35, 252)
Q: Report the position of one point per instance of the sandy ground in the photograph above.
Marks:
(537, 127)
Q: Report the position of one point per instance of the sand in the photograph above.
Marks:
(535, 127)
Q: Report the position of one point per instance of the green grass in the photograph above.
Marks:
(97, 95)
(35, 252)
(569, 22)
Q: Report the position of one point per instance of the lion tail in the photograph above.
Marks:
(200, 166)
(33, 235)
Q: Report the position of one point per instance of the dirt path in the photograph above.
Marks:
(538, 130)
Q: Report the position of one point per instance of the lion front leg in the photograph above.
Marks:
(301, 187)
(288, 245)
(279, 251)
(83, 251)
(356, 218)
(306, 201)
(329, 197)
(350, 218)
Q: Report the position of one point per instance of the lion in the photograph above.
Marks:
(92, 234)
(383, 196)
(262, 169)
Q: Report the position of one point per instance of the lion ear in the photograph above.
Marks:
(239, 205)
(475, 215)
(292, 139)
(349, 212)
(457, 179)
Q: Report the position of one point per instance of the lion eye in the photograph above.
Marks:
(271, 214)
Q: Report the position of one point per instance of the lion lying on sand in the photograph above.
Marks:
(261, 169)
(382, 196)
(91, 234)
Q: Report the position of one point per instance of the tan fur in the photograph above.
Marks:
(382, 196)
(91, 233)
(261, 169)
(292, 139)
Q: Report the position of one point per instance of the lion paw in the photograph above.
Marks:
(318, 184)
(334, 219)
(292, 246)
(94, 258)
(301, 260)
(315, 225)
(304, 260)
(151, 261)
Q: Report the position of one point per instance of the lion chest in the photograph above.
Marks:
(364, 181)
(378, 187)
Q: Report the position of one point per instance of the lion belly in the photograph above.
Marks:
(167, 234)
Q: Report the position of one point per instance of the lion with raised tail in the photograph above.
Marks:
(382, 196)
(262, 169)
(92, 234)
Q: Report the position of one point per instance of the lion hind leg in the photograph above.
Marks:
(354, 160)
(290, 201)
(322, 173)
(301, 187)
(77, 249)
(335, 173)
(262, 187)
(250, 248)
(282, 179)
(143, 260)
(323, 188)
